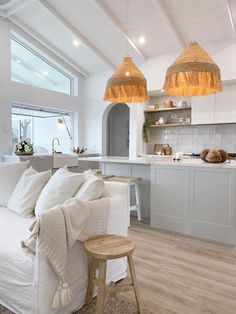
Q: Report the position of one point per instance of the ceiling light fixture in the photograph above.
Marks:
(127, 84)
(18, 61)
(142, 40)
(193, 73)
(75, 42)
(45, 73)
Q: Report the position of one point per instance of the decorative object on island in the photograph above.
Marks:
(78, 150)
(214, 155)
(127, 84)
(146, 125)
(193, 73)
(23, 148)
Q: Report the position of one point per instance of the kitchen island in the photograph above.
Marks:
(189, 196)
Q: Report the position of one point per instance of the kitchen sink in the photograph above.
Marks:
(61, 160)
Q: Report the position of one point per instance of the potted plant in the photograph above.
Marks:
(23, 148)
(146, 125)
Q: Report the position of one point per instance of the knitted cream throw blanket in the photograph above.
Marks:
(57, 230)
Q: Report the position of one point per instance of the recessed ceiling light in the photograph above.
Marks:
(142, 40)
(75, 42)
(45, 72)
(18, 61)
(162, 90)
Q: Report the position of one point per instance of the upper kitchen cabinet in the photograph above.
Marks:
(203, 109)
(225, 105)
(218, 108)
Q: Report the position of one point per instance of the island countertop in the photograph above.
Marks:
(160, 160)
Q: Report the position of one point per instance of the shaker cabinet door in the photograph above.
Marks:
(203, 109)
(225, 105)
(170, 198)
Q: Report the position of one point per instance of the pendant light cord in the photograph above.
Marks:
(127, 27)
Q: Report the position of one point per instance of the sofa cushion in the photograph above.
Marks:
(62, 185)
(91, 189)
(27, 191)
(10, 174)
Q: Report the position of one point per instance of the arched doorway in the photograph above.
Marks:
(117, 130)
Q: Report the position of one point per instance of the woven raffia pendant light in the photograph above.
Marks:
(127, 84)
(193, 73)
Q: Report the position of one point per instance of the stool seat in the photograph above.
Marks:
(109, 247)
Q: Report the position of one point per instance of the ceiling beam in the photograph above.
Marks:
(48, 45)
(17, 8)
(230, 16)
(108, 13)
(161, 7)
(76, 33)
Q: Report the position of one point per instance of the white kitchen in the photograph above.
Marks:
(143, 95)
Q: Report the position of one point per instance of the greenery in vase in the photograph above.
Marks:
(24, 147)
(146, 125)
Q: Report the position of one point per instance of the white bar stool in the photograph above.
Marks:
(131, 182)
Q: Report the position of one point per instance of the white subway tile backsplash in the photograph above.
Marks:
(195, 138)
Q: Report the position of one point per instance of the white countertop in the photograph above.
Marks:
(160, 160)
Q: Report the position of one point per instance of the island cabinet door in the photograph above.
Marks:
(170, 198)
(212, 203)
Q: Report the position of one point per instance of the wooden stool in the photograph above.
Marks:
(131, 181)
(101, 249)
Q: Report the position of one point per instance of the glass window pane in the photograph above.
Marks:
(28, 68)
(39, 127)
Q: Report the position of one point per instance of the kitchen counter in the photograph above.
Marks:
(190, 196)
(160, 160)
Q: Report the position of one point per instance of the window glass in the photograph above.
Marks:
(39, 127)
(29, 68)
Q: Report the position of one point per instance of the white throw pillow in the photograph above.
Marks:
(10, 174)
(27, 191)
(91, 189)
(62, 185)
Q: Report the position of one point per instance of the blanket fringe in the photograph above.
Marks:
(63, 296)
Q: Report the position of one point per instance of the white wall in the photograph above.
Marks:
(94, 107)
(13, 92)
(154, 71)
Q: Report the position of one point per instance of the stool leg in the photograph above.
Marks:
(92, 275)
(135, 284)
(129, 206)
(101, 283)
(138, 201)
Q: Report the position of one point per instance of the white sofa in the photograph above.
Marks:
(27, 281)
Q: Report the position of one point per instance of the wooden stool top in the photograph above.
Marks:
(123, 179)
(109, 246)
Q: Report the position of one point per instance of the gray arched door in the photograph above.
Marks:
(118, 131)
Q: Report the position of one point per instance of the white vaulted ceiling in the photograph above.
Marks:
(100, 27)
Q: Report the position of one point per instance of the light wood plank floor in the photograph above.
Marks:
(184, 275)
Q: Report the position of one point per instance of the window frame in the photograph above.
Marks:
(42, 56)
(58, 113)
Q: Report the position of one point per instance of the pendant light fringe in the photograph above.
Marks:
(193, 74)
(127, 84)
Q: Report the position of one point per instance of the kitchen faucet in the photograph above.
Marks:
(53, 143)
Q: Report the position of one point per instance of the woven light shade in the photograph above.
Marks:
(127, 84)
(193, 73)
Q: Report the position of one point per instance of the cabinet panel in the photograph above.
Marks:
(143, 172)
(212, 204)
(117, 169)
(225, 107)
(169, 198)
(203, 109)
